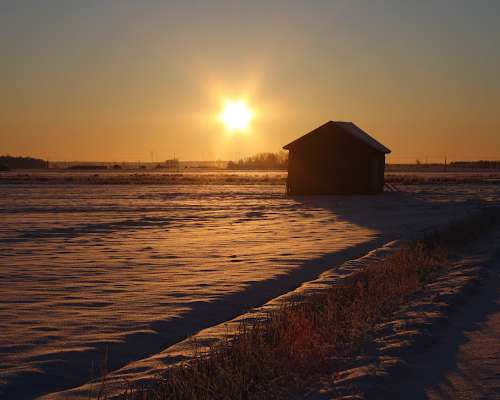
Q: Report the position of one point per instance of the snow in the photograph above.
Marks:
(135, 269)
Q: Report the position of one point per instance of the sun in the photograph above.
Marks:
(236, 116)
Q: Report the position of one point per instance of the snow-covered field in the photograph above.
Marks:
(129, 270)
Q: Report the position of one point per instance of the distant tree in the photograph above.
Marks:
(23, 162)
(265, 161)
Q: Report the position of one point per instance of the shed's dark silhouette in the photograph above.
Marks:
(336, 158)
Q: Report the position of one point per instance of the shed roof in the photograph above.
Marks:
(348, 127)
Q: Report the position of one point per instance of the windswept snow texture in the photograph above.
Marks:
(134, 268)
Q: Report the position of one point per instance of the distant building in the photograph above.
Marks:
(172, 163)
(336, 158)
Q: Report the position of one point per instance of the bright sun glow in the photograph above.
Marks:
(236, 116)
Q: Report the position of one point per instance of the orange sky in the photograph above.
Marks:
(115, 81)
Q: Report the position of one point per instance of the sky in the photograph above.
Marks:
(133, 81)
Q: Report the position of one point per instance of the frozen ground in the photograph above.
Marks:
(136, 268)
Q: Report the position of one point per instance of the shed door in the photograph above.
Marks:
(374, 175)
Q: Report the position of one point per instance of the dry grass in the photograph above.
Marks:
(146, 178)
(277, 357)
(409, 178)
(225, 177)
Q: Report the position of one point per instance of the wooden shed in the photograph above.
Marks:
(336, 158)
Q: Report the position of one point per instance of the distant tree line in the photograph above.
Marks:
(9, 162)
(452, 166)
(88, 167)
(267, 161)
(482, 164)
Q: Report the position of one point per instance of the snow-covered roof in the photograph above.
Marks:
(350, 128)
